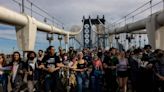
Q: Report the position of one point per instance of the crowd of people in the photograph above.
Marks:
(89, 70)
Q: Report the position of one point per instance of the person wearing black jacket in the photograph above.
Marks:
(134, 62)
(109, 64)
(31, 70)
(146, 70)
(159, 71)
(39, 72)
(18, 72)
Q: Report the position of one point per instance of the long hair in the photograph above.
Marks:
(16, 52)
(79, 53)
(4, 59)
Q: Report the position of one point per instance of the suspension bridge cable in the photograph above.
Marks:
(103, 25)
(151, 6)
(51, 19)
(163, 4)
(31, 8)
(148, 8)
(133, 11)
(45, 12)
(34, 11)
(81, 28)
(139, 8)
(92, 26)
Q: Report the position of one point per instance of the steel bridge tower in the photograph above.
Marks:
(100, 37)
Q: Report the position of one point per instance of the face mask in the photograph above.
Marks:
(31, 58)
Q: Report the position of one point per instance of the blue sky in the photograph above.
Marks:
(9, 43)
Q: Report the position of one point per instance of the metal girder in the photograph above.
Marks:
(138, 25)
(13, 18)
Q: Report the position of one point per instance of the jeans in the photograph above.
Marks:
(96, 81)
(4, 81)
(50, 84)
(81, 82)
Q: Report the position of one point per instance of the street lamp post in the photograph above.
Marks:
(144, 41)
(140, 40)
(117, 37)
(60, 38)
(129, 38)
(50, 38)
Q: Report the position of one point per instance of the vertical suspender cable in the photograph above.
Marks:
(31, 9)
(151, 7)
(92, 26)
(163, 5)
(22, 6)
(132, 19)
(125, 20)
